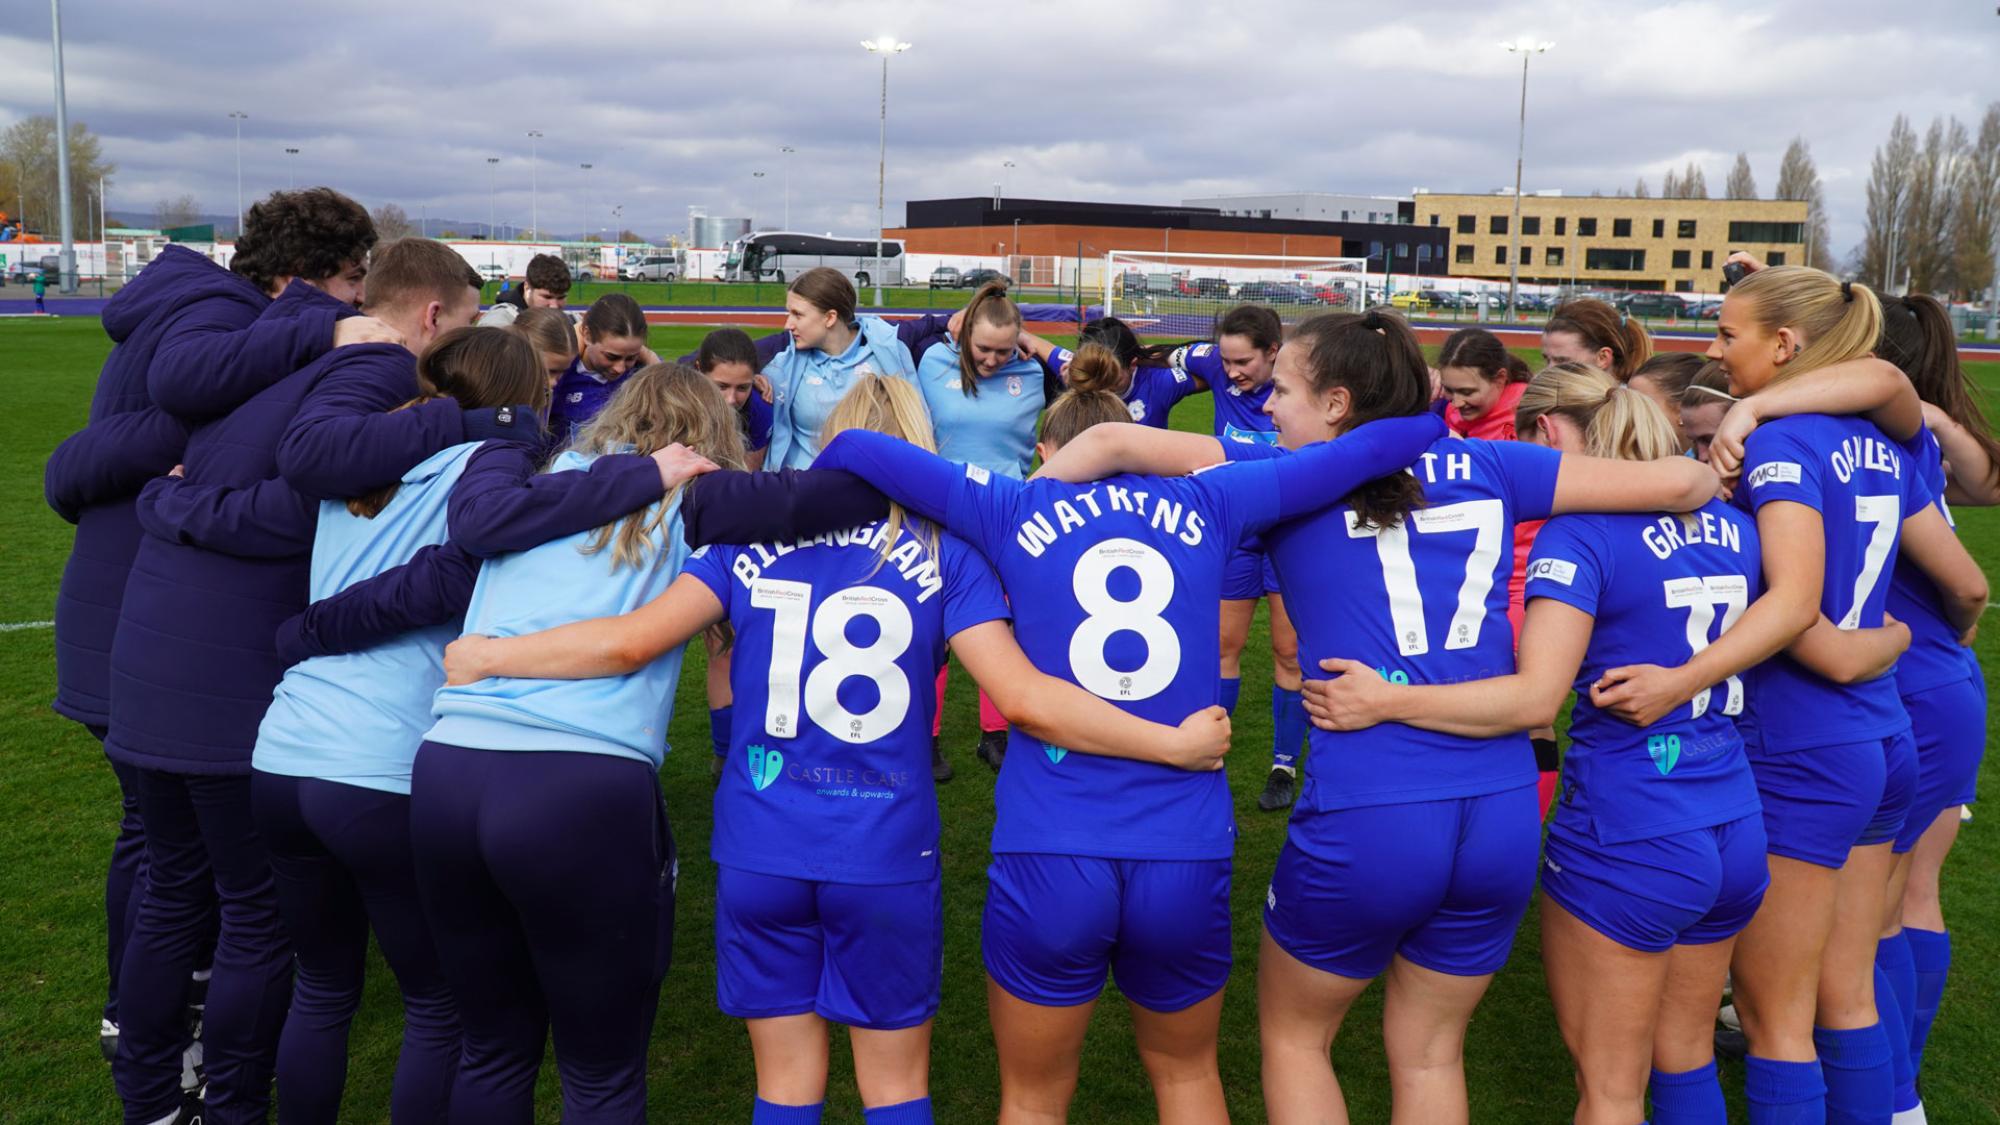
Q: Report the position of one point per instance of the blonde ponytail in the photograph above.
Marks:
(886, 406)
(1617, 421)
(1837, 320)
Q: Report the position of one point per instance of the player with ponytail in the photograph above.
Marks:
(1587, 330)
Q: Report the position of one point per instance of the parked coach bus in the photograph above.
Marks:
(781, 256)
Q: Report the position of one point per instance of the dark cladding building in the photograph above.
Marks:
(1019, 228)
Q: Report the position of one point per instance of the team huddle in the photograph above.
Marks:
(379, 614)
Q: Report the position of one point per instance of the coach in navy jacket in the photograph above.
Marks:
(225, 557)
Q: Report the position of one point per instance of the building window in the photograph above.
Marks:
(1562, 225)
(1374, 250)
(1598, 258)
(1682, 260)
(1527, 255)
(1767, 232)
(1531, 224)
(1621, 228)
(1683, 286)
(1499, 255)
(1708, 259)
(1685, 228)
(1423, 252)
(1659, 228)
(1585, 228)
(1463, 254)
(1403, 250)
(1496, 225)
(1553, 256)
(1775, 258)
(1434, 220)
(1466, 224)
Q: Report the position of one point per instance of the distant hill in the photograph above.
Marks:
(225, 226)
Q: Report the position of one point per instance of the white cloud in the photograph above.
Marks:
(1121, 100)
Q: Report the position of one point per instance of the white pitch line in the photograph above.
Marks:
(23, 626)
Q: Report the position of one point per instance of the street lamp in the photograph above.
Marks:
(885, 46)
(1526, 48)
(239, 118)
(292, 175)
(1006, 179)
(492, 166)
(757, 176)
(534, 183)
(586, 201)
(787, 151)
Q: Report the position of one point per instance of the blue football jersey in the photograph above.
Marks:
(1113, 587)
(1151, 397)
(835, 659)
(1660, 588)
(1239, 414)
(1935, 657)
(1863, 485)
(1424, 602)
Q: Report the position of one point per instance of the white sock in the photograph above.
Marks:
(1910, 1117)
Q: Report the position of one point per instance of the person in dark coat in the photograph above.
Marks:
(182, 320)
(225, 557)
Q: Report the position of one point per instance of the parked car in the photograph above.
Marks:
(1411, 301)
(945, 277)
(1275, 293)
(1654, 304)
(1704, 310)
(653, 267)
(973, 279)
(1209, 287)
(493, 271)
(1327, 294)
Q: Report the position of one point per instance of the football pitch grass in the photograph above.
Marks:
(61, 807)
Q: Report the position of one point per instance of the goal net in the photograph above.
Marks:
(1168, 293)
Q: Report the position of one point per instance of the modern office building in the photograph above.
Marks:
(1612, 243)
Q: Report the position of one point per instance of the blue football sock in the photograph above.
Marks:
(718, 729)
(1692, 1097)
(916, 1112)
(1860, 1087)
(1930, 953)
(1889, 1009)
(1784, 1093)
(770, 1113)
(1232, 688)
(1892, 956)
(1288, 727)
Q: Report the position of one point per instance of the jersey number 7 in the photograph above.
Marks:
(1486, 520)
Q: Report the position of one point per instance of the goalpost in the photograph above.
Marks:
(1170, 293)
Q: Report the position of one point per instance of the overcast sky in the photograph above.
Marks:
(677, 104)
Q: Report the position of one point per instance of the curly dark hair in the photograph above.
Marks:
(311, 234)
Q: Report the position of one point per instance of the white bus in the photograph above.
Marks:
(781, 256)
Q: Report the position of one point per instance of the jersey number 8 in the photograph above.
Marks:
(1106, 615)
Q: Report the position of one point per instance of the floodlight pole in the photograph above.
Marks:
(68, 220)
(534, 183)
(492, 166)
(787, 151)
(1526, 48)
(885, 46)
(239, 117)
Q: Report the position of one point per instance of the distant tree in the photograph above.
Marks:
(1670, 186)
(1693, 184)
(1798, 178)
(629, 235)
(1742, 183)
(1928, 220)
(1976, 221)
(183, 211)
(28, 170)
(392, 222)
(1640, 191)
(448, 233)
(1881, 259)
